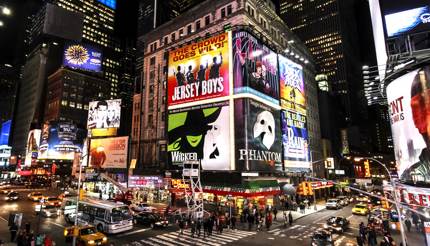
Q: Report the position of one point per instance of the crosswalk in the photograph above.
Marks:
(175, 239)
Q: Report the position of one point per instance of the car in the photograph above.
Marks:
(52, 200)
(12, 196)
(66, 194)
(35, 196)
(360, 209)
(150, 219)
(5, 190)
(141, 207)
(50, 211)
(362, 198)
(322, 238)
(337, 224)
(85, 235)
(344, 201)
(333, 204)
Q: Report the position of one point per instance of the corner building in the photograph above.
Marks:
(222, 85)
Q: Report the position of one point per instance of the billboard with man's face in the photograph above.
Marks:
(199, 71)
(32, 149)
(104, 114)
(258, 136)
(255, 67)
(200, 133)
(60, 141)
(409, 106)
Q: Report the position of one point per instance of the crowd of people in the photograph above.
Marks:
(26, 237)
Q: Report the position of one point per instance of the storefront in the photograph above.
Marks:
(322, 189)
(148, 189)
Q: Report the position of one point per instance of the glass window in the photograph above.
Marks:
(189, 29)
(173, 37)
(207, 20)
(64, 102)
(229, 9)
(120, 213)
(222, 12)
(198, 25)
(181, 32)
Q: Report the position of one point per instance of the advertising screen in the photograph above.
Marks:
(292, 85)
(32, 149)
(104, 114)
(110, 3)
(5, 131)
(412, 21)
(199, 71)
(408, 100)
(258, 136)
(255, 67)
(60, 140)
(200, 133)
(295, 141)
(109, 152)
(82, 56)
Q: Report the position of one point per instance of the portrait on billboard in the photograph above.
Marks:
(104, 114)
(295, 141)
(199, 71)
(408, 98)
(83, 57)
(109, 152)
(258, 136)
(292, 85)
(33, 142)
(255, 67)
(61, 140)
(200, 133)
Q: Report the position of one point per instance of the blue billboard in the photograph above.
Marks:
(412, 21)
(5, 131)
(110, 3)
(83, 57)
(295, 141)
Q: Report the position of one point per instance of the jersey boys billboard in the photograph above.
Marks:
(409, 107)
(199, 71)
(255, 67)
(258, 136)
(200, 133)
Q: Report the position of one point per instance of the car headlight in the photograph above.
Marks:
(6, 198)
(91, 242)
(48, 213)
(393, 226)
(65, 233)
(325, 226)
(158, 223)
(104, 239)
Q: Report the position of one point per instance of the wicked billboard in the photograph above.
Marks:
(200, 133)
(199, 71)
(255, 67)
(258, 136)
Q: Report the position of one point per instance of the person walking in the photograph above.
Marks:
(233, 222)
(193, 228)
(408, 224)
(205, 227)
(290, 218)
(362, 231)
(359, 241)
(268, 221)
(275, 212)
(199, 227)
(181, 224)
(13, 230)
(415, 220)
(371, 237)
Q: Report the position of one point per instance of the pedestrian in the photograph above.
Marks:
(48, 241)
(199, 226)
(233, 222)
(250, 221)
(205, 228)
(371, 237)
(415, 220)
(408, 224)
(27, 227)
(362, 231)
(387, 240)
(220, 225)
(268, 221)
(193, 228)
(386, 225)
(13, 230)
(275, 212)
(181, 224)
(290, 218)
(359, 241)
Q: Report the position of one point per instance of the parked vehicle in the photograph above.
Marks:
(150, 219)
(333, 204)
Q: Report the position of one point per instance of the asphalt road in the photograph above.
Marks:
(297, 234)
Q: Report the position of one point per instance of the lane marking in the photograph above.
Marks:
(160, 242)
(271, 238)
(4, 219)
(170, 240)
(349, 217)
(134, 232)
(53, 223)
(204, 240)
(148, 243)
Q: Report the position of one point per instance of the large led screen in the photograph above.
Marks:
(60, 141)
(409, 106)
(293, 95)
(110, 3)
(199, 71)
(32, 149)
(5, 131)
(255, 67)
(83, 57)
(109, 152)
(412, 21)
(258, 136)
(200, 133)
(295, 141)
(104, 114)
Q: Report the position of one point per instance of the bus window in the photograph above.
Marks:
(120, 213)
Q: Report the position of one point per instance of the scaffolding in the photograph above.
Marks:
(194, 190)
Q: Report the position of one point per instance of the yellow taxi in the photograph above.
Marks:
(85, 235)
(35, 196)
(360, 209)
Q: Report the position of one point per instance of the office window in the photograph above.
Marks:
(229, 9)
(152, 61)
(198, 25)
(189, 29)
(173, 37)
(222, 12)
(181, 32)
(207, 20)
(166, 40)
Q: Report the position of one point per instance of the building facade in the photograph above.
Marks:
(208, 19)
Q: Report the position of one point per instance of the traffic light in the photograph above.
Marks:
(81, 194)
(309, 188)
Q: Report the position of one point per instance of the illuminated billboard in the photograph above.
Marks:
(408, 100)
(104, 114)
(110, 3)
(200, 133)
(32, 149)
(83, 57)
(60, 141)
(255, 67)
(412, 21)
(292, 84)
(109, 152)
(199, 71)
(5, 131)
(295, 141)
(258, 136)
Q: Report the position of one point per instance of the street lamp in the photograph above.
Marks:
(1, 23)
(6, 11)
(77, 197)
(393, 185)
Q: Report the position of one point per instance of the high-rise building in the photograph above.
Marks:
(330, 31)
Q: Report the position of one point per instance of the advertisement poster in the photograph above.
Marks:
(60, 140)
(258, 136)
(83, 57)
(200, 133)
(295, 141)
(413, 20)
(109, 152)
(292, 85)
(5, 131)
(408, 101)
(32, 149)
(104, 114)
(255, 67)
(199, 71)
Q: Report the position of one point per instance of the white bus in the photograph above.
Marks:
(108, 217)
